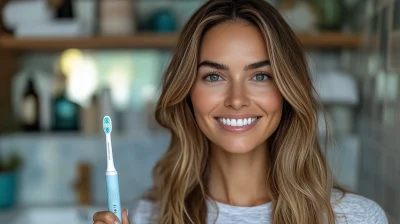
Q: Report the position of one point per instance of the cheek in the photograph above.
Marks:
(276, 101)
(203, 101)
(270, 100)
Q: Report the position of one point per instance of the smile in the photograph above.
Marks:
(237, 122)
(237, 125)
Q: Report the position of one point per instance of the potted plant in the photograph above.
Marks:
(9, 167)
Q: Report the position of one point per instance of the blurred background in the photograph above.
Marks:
(65, 64)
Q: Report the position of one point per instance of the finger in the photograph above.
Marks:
(99, 222)
(106, 217)
(125, 218)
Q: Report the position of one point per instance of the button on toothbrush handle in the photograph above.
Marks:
(114, 203)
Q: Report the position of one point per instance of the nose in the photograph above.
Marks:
(237, 96)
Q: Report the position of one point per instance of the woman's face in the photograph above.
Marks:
(236, 102)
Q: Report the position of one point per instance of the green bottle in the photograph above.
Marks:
(331, 14)
(65, 112)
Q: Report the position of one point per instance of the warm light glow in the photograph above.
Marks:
(69, 59)
(119, 83)
(82, 81)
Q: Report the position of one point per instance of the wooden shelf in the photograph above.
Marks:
(95, 42)
(160, 41)
(330, 40)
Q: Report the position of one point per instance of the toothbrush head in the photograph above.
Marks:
(107, 125)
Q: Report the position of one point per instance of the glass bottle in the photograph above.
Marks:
(30, 107)
(65, 112)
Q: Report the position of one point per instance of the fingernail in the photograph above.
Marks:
(127, 212)
(117, 222)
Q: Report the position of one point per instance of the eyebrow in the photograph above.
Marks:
(221, 66)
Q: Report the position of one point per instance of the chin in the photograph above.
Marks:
(237, 147)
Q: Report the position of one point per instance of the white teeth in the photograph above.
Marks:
(237, 122)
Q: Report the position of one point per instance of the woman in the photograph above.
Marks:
(238, 100)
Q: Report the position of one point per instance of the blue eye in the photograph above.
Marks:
(212, 78)
(261, 77)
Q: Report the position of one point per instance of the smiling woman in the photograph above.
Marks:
(236, 102)
(240, 105)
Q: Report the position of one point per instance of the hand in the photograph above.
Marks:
(110, 218)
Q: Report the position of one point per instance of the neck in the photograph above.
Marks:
(239, 179)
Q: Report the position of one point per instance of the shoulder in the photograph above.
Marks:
(351, 209)
(143, 212)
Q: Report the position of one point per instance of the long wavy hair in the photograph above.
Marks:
(300, 181)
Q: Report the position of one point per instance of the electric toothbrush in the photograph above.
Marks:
(114, 203)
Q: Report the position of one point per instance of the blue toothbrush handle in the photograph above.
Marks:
(114, 203)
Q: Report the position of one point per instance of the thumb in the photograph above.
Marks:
(125, 219)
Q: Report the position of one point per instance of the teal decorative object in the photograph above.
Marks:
(163, 21)
(8, 189)
(9, 169)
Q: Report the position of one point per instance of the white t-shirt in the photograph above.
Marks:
(351, 209)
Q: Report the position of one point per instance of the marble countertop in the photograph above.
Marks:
(49, 214)
(7, 215)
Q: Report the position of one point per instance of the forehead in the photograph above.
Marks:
(233, 39)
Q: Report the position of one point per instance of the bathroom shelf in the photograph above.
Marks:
(158, 41)
(330, 40)
(145, 40)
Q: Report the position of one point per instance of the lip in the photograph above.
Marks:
(238, 116)
(237, 129)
